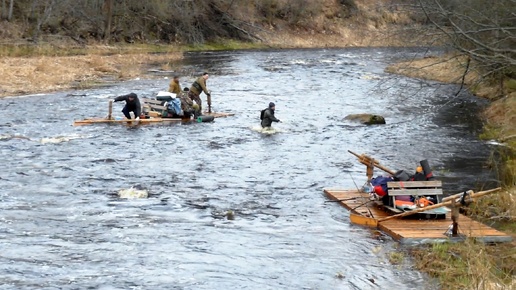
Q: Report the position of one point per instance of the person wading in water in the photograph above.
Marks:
(267, 116)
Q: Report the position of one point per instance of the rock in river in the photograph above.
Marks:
(367, 119)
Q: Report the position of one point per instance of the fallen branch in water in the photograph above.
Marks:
(507, 138)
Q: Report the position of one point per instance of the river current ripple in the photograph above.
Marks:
(63, 227)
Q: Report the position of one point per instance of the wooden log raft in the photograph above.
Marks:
(366, 221)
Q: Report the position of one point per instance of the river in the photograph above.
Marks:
(63, 226)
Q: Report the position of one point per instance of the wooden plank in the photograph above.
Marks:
(144, 121)
(153, 120)
(394, 210)
(219, 114)
(411, 184)
(157, 107)
(419, 191)
(152, 101)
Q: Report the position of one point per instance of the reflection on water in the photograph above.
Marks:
(64, 227)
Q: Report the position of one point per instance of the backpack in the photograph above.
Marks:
(381, 181)
(174, 106)
(262, 114)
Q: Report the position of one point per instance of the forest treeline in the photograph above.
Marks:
(185, 21)
(484, 30)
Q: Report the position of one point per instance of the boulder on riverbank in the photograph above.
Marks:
(367, 119)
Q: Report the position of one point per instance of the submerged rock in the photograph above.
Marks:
(133, 193)
(367, 119)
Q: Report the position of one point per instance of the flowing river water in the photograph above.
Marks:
(63, 226)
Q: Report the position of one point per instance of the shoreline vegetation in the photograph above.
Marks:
(33, 59)
(473, 265)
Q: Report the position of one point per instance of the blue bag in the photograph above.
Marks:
(174, 106)
(382, 181)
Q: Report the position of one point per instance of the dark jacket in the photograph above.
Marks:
(268, 118)
(132, 106)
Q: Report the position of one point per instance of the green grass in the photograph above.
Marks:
(225, 44)
(510, 85)
(489, 133)
(396, 258)
(48, 49)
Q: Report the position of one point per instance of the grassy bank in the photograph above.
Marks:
(39, 74)
(472, 265)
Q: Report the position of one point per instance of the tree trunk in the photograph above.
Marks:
(3, 15)
(108, 7)
(42, 17)
(10, 15)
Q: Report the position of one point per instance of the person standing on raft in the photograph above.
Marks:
(268, 117)
(132, 104)
(197, 88)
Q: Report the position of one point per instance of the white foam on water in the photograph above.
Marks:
(371, 77)
(132, 193)
(266, 131)
(298, 61)
(15, 136)
(61, 139)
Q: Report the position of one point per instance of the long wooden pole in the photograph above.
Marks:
(110, 110)
(449, 202)
(364, 159)
(471, 193)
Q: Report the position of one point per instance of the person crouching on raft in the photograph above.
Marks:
(132, 104)
(197, 88)
(188, 106)
(268, 116)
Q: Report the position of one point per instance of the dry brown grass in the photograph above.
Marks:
(469, 265)
(502, 114)
(24, 75)
(448, 69)
(497, 208)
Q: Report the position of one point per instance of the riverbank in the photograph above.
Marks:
(472, 265)
(49, 67)
(59, 61)
(27, 68)
(41, 72)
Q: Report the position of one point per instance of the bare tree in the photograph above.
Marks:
(42, 10)
(3, 15)
(481, 29)
(10, 15)
(108, 10)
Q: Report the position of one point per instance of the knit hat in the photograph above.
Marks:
(271, 104)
